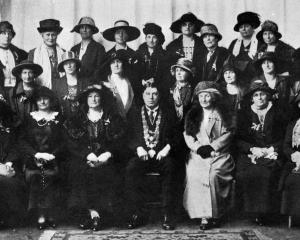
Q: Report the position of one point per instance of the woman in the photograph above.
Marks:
(94, 139)
(20, 97)
(41, 144)
(259, 137)
(118, 81)
(13, 191)
(270, 36)
(68, 87)
(209, 167)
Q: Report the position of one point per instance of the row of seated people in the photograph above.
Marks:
(100, 157)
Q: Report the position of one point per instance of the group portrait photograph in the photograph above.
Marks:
(149, 119)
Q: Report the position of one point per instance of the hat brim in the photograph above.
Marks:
(261, 88)
(47, 29)
(252, 23)
(133, 33)
(81, 98)
(37, 69)
(181, 66)
(77, 28)
(60, 66)
(259, 35)
(176, 26)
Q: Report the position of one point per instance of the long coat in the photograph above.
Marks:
(91, 61)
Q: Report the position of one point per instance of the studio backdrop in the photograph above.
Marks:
(26, 14)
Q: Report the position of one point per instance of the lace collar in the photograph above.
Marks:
(38, 116)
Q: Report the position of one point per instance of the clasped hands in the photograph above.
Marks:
(43, 157)
(94, 161)
(7, 170)
(257, 152)
(144, 155)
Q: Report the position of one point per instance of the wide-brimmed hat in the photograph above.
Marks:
(210, 29)
(267, 56)
(91, 88)
(133, 32)
(247, 18)
(258, 85)
(68, 56)
(185, 64)
(44, 92)
(49, 25)
(268, 26)
(187, 17)
(7, 26)
(26, 64)
(120, 54)
(206, 86)
(152, 28)
(86, 21)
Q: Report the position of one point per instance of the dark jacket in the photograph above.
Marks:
(91, 61)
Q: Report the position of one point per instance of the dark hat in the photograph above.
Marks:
(67, 56)
(210, 29)
(49, 25)
(152, 28)
(262, 56)
(268, 26)
(91, 88)
(133, 32)
(247, 18)
(26, 64)
(230, 65)
(185, 64)
(86, 21)
(7, 26)
(44, 92)
(206, 86)
(187, 17)
(259, 85)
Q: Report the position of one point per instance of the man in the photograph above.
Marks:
(153, 142)
(214, 56)
(90, 53)
(10, 56)
(49, 53)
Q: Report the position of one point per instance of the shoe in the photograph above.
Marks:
(204, 225)
(51, 223)
(41, 224)
(167, 223)
(259, 221)
(85, 223)
(134, 221)
(96, 224)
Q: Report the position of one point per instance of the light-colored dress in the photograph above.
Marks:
(208, 181)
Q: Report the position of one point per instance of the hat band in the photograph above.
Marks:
(209, 90)
(121, 24)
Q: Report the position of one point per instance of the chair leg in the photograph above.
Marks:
(290, 221)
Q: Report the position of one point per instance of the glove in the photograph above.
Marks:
(92, 157)
(142, 153)
(163, 153)
(205, 151)
(104, 157)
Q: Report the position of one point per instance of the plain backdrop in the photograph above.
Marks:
(26, 14)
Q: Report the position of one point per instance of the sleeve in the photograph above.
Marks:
(191, 142)
(98, 68)
(287, 143)
(223, 141)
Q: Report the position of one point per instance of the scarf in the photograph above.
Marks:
(252, 50)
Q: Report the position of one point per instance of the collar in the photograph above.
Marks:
(117, 47)
(38, 116)
(180, 85)
(153, 110)
(262, 111)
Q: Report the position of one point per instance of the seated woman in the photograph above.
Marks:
(210, 165)
(118, 81)
(20, 97)
(260, 132)
(41, 143)
(12, 185)
(68, 87)
(93, 141)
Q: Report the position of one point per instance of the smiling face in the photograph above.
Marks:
(268, 66)
(94, 99)
(188, 28)
(86, 32)
(121, 36)
(246, 30)
(27, 75)
(260, 99)
(70, 67)
(43, 103)
(269, 37)
(210, 41)
(206, 100)
(49, 38)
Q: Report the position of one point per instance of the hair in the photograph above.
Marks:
(125, 67)
(71, 60)
(271, 60)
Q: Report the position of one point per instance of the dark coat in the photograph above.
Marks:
(91, 61)
(212, 70)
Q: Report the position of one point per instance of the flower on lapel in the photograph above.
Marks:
(23, 98)
(256, 127)
(106, 122)
(214, 66)
(180, 52)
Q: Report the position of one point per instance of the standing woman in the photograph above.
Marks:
(93, 141)
(88, 51)
(68, 87)
(260, 132)
(20, 97)
(210, 165)
(41, 143)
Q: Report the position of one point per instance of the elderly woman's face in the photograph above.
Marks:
(93, 100)
(229, 76)
(181, 74)
(246, 30)
(151, 40)
(210, 41)
(116, 66)
(121, 36)
(5, 38)
(70, 67)
(188, 28)
(269, 37)
(27, 75)
(43, 103)
(205, 100)
(86, 32)
(49, 38)
(260, 99)
(268, 66)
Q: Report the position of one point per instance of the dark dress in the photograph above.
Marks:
(258, 182)
(44, 136)
(94, 188)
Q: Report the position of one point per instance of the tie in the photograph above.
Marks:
(151, 116)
